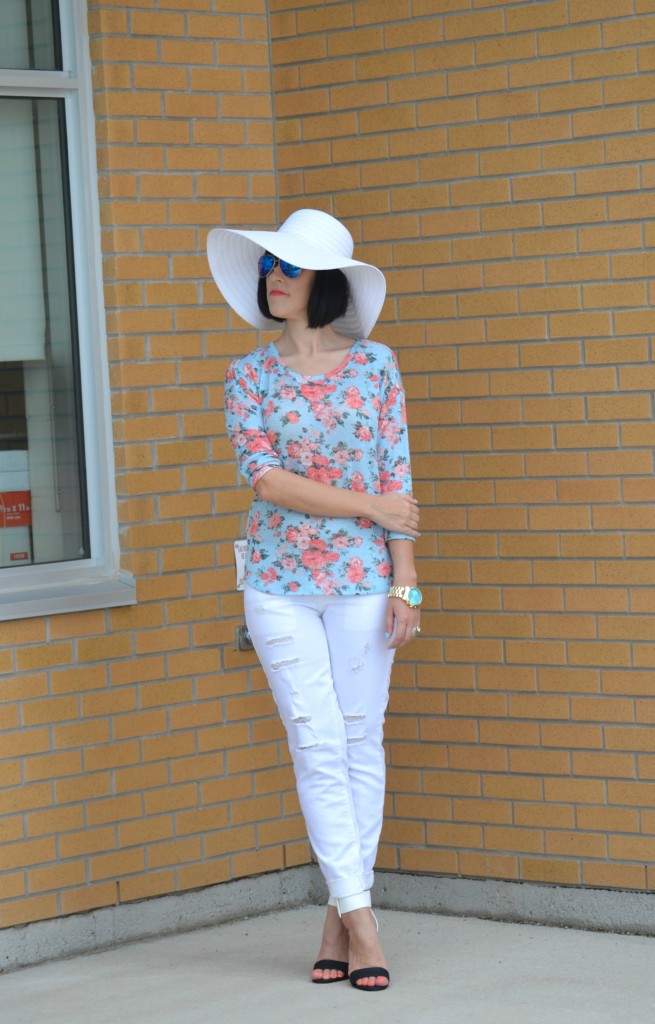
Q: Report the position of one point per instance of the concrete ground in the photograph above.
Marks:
(445, 970)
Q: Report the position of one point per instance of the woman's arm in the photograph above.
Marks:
(392, 437)
(401, 619)
(393, 511)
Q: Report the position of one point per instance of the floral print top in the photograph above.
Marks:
(346, 428)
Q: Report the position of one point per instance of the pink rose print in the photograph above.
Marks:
(325, 415)
(357, 482)
(243, 383)
(320, 470)
(323, 475)
(354, 399)
(326, 584)
(356, 572)
(390, 431)
(389, 484)
(306, 536)
(318, 556)
(314, 391)
(258, 442)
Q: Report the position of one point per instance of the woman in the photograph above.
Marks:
(317, 420)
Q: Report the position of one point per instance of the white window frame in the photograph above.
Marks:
(98, 581)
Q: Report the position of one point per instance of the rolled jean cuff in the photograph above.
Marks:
(355, 902)
(346, 885)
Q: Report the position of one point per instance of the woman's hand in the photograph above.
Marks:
(401, 623)
(396, 512)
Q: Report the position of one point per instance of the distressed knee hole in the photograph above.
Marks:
(355, 728)
(279, 640)
(277, 665)
(305, 739)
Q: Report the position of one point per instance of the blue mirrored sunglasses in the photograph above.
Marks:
(268, 261)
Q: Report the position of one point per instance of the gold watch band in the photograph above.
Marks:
(410, 595)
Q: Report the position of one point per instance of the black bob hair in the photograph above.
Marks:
(328, 299)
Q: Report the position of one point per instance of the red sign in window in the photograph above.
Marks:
(15, 508)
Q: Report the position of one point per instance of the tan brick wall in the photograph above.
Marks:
(495, 159)
(141, 753)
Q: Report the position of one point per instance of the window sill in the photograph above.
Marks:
(54, 598)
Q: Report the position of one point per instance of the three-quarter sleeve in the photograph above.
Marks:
(393, 440)
(245, 424)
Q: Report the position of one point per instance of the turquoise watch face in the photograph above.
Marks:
(414, 597)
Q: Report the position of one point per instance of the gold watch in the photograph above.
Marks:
(410, 595)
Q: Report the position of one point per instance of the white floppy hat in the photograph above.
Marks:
(309, 239)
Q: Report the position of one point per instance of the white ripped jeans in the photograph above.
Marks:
(328, 666)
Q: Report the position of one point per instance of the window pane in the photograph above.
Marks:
(29, 35)
(42, 486)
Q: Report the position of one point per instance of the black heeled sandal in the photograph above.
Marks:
(330, 965)
(370, 972)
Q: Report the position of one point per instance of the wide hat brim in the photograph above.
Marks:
(309, 239)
